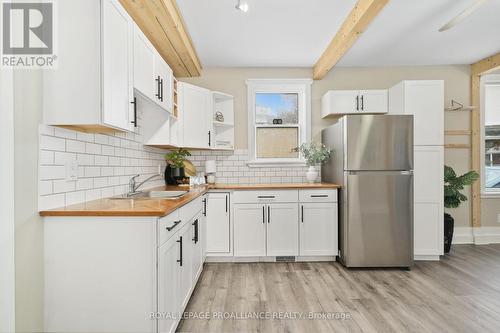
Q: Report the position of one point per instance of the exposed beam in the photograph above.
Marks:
(356, 22)
(162, 23)
(477, 69)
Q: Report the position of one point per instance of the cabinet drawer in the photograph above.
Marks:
(318, 195)
(168, 226)
(188, 211)
(266, 196)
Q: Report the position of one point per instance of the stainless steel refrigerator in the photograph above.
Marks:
(373, 162)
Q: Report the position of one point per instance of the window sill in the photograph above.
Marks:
(490, 195)
(275, 164)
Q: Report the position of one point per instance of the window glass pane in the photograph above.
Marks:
(492, 137)
(277, 142)
(276, 106)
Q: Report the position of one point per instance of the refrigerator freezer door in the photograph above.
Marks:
(378, 221)
(378, 142)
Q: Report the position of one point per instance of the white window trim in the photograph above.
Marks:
(486, 80)
(300, 86)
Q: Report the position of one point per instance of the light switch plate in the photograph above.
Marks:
(71, 170)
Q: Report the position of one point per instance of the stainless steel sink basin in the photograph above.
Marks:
(152, 195)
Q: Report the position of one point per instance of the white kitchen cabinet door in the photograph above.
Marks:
(168, 283)
(195, 103)
(282, 229)
(318, 229)
(250, 230)
(164, 74)
(218, 232)
(117, 66)
(336, 102)
(185, 265)
(144, 65)
(373, 101)
(428, 235)
(196, 248)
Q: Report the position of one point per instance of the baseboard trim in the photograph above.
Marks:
(267, 259)
(426, 257)
(477, 236)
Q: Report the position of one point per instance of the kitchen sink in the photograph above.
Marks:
(152, 195)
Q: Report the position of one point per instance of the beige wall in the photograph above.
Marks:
(457, 86)
(28, 225)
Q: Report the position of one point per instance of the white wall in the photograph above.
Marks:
(7, 259)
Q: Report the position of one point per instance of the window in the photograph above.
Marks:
(491, 134)
(279, 120)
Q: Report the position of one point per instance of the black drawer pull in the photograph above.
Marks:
(319, 195)
(266, 197)
(180, 250)
(302, 214)
(195, 224)
(268, 214)
(263, 214)
(175, 225)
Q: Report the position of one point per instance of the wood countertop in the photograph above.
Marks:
(162, 207)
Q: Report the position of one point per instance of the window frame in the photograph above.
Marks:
(300, 86)
(491, 79)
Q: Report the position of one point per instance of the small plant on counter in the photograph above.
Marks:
(176, 158)
(453, 184)
(315, 154)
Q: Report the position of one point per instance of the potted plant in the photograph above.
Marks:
(175, 165)
(453, 184)
(315, 155)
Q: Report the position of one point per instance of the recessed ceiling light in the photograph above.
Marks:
(242, 5)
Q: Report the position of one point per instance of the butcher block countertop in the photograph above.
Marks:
(162, 207)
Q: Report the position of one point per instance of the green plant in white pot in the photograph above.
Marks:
(315, 154)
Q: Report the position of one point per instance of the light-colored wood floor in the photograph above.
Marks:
(459, 294)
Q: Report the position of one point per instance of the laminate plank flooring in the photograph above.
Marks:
(461, 293)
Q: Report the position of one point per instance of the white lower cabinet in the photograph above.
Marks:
(282, 229)
(249, 230)
(168, 284)
(185, 265)
(196, 247)
(318, 229)
(218, 223)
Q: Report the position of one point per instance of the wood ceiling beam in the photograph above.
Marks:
(477, 69)
(354, 25)
(162, 23)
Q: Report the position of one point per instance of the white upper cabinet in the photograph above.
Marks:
(117, 41)
(195, 108)
(92, 88)
(153, 78)
(424, 99)
(339, 102)
(144, 65)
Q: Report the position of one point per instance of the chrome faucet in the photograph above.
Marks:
(133, 187)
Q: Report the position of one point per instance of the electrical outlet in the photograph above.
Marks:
(71, 170)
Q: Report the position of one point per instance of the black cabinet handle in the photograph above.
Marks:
(180, 248)
(357, 103)
(175, 225)
(362, 102)
(268, 214)
(209, 138)
(135, 112)
(302, 214)
(319, 195)
(226, 204)
(195, 224)
(266, 197)
(205, 207)
(157, 87)
(161, 90)
(263, 214)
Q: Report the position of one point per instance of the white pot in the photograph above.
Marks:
(312, 174)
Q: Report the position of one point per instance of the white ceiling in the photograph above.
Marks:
(296, 32)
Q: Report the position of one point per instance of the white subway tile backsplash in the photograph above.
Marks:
(85, 159)
(75, 197)
(92, 172)
(46, 157)
(64, 133)
(48, 172)
(52, 143)
(75, 146)
(92, 195)
(45, 187)
(61, 158)
(86, 137)
(61, 186)
(51, 201)
(85, 184)
(92, 148)
(101, 160)
(102, 139)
